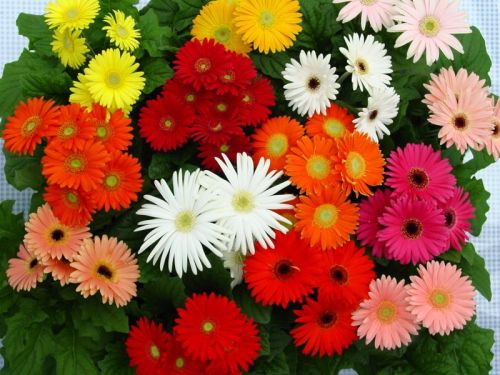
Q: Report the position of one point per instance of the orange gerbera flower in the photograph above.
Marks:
(122, 181)
(25, 271)
(112, 129)
(275, 138)
(72, 207)
(25, 129)
(359, 163)
(73, 128)
(326, 219)
(336, 123)
(60, 269)
(310, 165)
(74, 168)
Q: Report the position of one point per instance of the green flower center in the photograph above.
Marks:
(325, 216)
(222, 34)
(440, 298)
(114, 79)
(430, 26)
(355, 165)
(247, 99)
(318, 167)
(121, 31)
(221, 107)
(68, 130)
(102, 132)
(266, 18)
(190, 98)
(75, 163)
(333, 128)
(72, 197)
(243, 202)
(277, 145)
(207, 326)
(155, 351)
(386, 312)
(167, 124)
(111, 181)
(185, 221)
(30, 125)
(224, 148)
(179, 362)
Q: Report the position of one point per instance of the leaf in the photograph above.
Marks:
(160, 166)
(36, 30)
(475, 267)
(479, 161)
(319, 25)
(317, 366)
(154, 38)
(215, 279)
(271, 65)
(277, 366)
(72, 358)
(188, 9)
(261, 314)
(55, 87)
(451, 256)
(109, 317)
(278, 340)
(478, 196)
(163, 296)
(164, 9)
(11, 235)
(23, 171)
(157, 71)
(116, 361)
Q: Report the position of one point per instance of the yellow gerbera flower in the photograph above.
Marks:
(215, 21)
(121, 30)
(113, 79)
(70, 48)
(71, 14)
(80, 93)
(271, 25)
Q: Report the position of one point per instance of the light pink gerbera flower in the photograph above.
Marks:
(60, 269)
(493, 142)
(25, 271)
(419, 171)
(414, 230)
(47, 238)
(441, 298)
(378, 13)
(429, 26)
(384, 316)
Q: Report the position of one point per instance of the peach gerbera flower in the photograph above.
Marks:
(493, 142)
(334, 124)
(108, 266)
(47, 238)
(25, 271)
(60, 269)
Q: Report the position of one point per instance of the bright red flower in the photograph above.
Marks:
(256, 101)
(226, 106)
(237, 76)
(187, 93)
(215, 128)
(283, 275)
(113, 130)
(73, 128)
(176, 361)
(207, 152)
(73, 207)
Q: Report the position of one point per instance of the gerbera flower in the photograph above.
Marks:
(246, 201)
(458, 211)
(71, 14)
(345, 273)
(382, 108)
(73, 207)
(367, 61)
(199, 63)
(80, 167)
(234, 261)
(236, 144)
(326, 219)
(256, 101)
(429, 26)
(370, 210)
(283, 275)
(121, 183)
(73, 128)
(70, 48)
(25, 271)
(493, 142)
(25, 129)
(214, 127)
(113, 79)
(324, 327)
(224, 106)
(313, 83)
(108, 266)
(215, 21)
(181, 224)
(384, 316)
(378, 13)
(237, 76)
(80, 93)
(310, 165)
(441, 298)
(147, 344)
(268, 26)
(359, 163)
(185, 92)
(60, 269)
(176, 361)
(414, 230)
(213, 328)
(113, 130)
(274, 140)
(334, 124)
(120, 29)
(47, 238)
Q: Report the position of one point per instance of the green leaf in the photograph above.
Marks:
(11, 235)
(188, 9)
(215, 279)
(116, 361)
(23, 171)
(277, 366)
(317, 366)
(109, 317)
(469, 253)
(157, 71)
(478, 196)
(475, 267)
(73, 358)
(479, 161)
(319, 25)
(163, 296)
(36, 30)
(164, 9)
(161, 166)
(261, 314)
(451, 256)
(271, 65)
(55, 87)
(155, 39)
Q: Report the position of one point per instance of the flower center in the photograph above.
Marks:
(167, 123)
(460, 122)
(361, 66)
(68, 43)
(216, 128)
(102, 132)
(266, 18)
(334, 128)
(57, 235)
(179, 362)
(67, 130)
(30, 125)
(202, 65)
(439, 298)
(228, 76)
(412, 229)
(105, 272)
(450, 217)
(114, 79)
(221, 107)
(368, 2)
(318, 167)
(75, 163)
(185, 221)
(224, 148)
(284, 269)
(313, 83)
(247, 99)
(222, 34)
(190, 97)
(207, 326)
(386, 312)
(496, 128)
(429, 26)
(33, 263)
(327, 319)
(72, 13)
(71, 197)
(277, 145)
(325, 216)
(373, 115)
(243, 202)
(112, 181)
(418, 178)
(154, 351)
(355, 165)
(339, 275)
(121, 31)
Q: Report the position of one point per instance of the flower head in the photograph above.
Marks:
(25, 271)
(72, 129)
(70, 48)
(334, 124)
(60, 269)
(493, 142)
(73, 207)
(113, 130)
(71, 14)
(121, 30)
(80, 93)
(378, 13)
(238, 75)
(256, 101)
(209, 152)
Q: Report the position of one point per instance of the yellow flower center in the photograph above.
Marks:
(179, 362)
(112, 181)
(207, 326)
(386, 312)
(167, 124)
(243, 202)
(114, 79)
(154, 351)
(266, 18)
(72, 13)
(222, 34)
(67, 130)
(68, 43)
(361, 66)
(190, 98)
(277, 145)
(72, 197)
(202, 65)
(247, 99)
(440, 299)
(216, 128)
(430, 26)
(224, 148)
(368, 2)
(30, 125)
(334, 128)
(229, 76)
(75, 163)
(104, 272)
(102, 132)
(355, 165)
(221, 107)
(325, 216)
(318, 167)
(122, 32)
(185, 221)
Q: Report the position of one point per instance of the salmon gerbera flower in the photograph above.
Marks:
(334, 124)
(25, 271)
(73, 128)
(113, 130)
(73, 207)
(60, 269)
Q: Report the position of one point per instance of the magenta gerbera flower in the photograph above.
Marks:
(493, 142)
(414, 230)
(384, 316)
(419, 171)
(441, 298)
(457, 212)
(370, 210)
(378, 13)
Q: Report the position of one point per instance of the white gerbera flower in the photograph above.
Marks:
(313, 83)
(233, 261)
(368, 62)
(182, 223)
(381, 110)
(247, 200)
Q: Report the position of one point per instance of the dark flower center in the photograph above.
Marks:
(418, 178)
(105, 272)
(373, 115)
(361, 66)
(450, 217)
(313, 83)
(339, 274)
(284, 269)
(327, 319)
(460, 122)
(57, 235)
(495, 129)
(412, 229)
(33, 263)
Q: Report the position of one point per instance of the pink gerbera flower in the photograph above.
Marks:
(60, 269)
(377, 12)
(414, 230)
(419, 171)
(457, 213)
(384, 316)
(441, 298)
(429, 26)
(25, 271)
(370, 210)
(493, 142)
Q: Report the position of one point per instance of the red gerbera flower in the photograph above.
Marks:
(176, 361)
(164, 122)
(25, 129)
(187, 93)
(73, 129)
(200, 63)
(256, 101)
(113, 130)
(236, 144)
(221, 105)
(215, 128)
(234, 78)
(325, 327)
(72, 207)
(346, 273)
(122, 181)
(213, 328)
(145, 345)
(286, 274)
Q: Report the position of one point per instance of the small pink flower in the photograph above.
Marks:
(377, 12)
(493, 142)
(25, 271)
